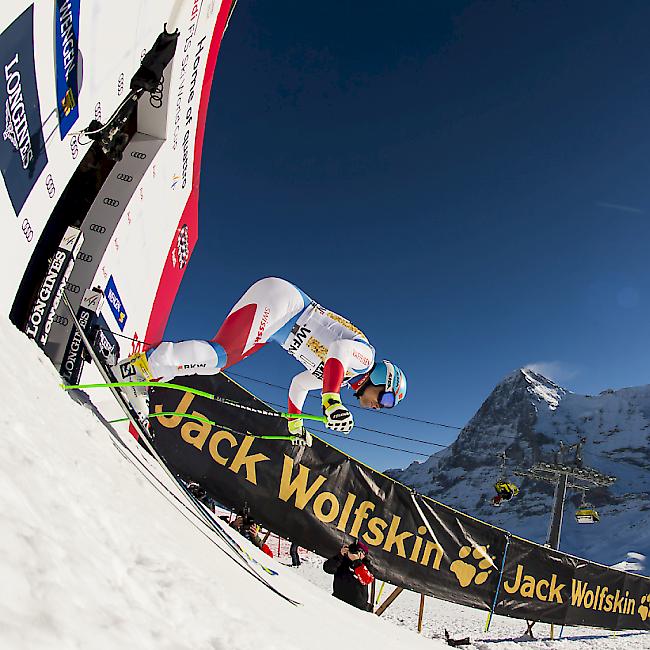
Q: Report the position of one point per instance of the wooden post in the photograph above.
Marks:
(421, 613)
(389, 601)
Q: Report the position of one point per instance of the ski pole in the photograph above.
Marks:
(199, 418)
(198, 393)
(122, 384)
(168, 414)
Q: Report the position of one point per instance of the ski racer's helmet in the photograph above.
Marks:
(385, 374)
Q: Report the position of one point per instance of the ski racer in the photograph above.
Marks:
(334, 352)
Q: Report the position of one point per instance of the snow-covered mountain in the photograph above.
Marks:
(528, 415)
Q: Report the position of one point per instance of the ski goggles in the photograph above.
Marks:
(386, 399)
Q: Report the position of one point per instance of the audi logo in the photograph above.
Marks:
(74, 146)
(138, 154)
(156, 95)
(74, 288)
(124, 177)
(49, 185)
(112, 202)
(98, 111)
(84, 257)
(120, 84)
(142, 55)
(27, 230)
(60, 320)
(95, 227)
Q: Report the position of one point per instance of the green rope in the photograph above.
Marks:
(199, 393)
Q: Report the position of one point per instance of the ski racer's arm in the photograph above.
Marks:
(301, 384)
(345, 357)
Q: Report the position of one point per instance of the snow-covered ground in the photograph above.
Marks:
(98, 549)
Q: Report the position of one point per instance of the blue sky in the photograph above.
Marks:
(465, 181)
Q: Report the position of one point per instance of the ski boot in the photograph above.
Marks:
(134, 369)
(303, 440)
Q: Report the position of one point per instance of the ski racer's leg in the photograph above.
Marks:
(170, 360)
(265, 308)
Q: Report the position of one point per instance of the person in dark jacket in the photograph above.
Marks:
(353, 573)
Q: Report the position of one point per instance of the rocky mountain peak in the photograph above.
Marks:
(528, 415)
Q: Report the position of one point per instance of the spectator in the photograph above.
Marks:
(243, 523)
(293, 552)
(353, 573)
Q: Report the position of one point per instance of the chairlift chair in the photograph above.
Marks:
(505, 489)
(587, 515)
(586, 512)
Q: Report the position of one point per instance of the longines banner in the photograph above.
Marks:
(322, 498)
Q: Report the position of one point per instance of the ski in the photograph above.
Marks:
(236, 555)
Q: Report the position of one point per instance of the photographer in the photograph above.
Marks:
(243, 523)
(353, 573)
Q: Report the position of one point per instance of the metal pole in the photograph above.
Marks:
(496, 594)
(381, 589)
(555, 528)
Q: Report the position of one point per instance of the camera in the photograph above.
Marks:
(247, 522)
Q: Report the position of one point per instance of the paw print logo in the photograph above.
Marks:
(644, 608)
(477, 569)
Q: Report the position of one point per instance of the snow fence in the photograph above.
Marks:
(321, 498)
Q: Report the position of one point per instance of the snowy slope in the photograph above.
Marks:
(97, 550)
(95, 553)
(528, 415)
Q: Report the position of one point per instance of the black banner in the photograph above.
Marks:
(321, 498)
(549, 586)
